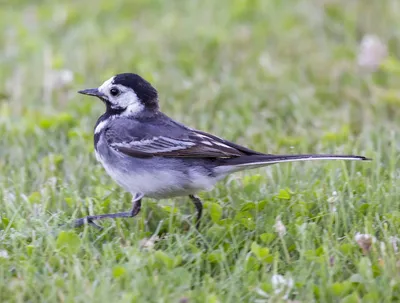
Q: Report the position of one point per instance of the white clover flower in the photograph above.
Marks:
(62, 77)
(372, 52)
(148, 243)
(282, 285)
(4, 254)
(280, 228)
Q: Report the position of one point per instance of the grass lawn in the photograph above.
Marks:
(276, 76)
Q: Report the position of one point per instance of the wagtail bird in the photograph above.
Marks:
(151, 155)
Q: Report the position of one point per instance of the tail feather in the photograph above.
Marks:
(254, 161)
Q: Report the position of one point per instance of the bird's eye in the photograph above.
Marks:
(114, 91)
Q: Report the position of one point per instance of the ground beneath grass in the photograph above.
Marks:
(276, 76)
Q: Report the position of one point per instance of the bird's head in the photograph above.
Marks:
(127, 94)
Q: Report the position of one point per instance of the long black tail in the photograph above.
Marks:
(254, 161)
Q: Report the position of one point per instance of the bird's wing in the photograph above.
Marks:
(172, 141)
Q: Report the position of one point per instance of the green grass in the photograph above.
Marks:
(277, 76)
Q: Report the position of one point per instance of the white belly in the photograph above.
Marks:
(158, 183)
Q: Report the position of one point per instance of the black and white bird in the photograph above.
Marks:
(151, 155)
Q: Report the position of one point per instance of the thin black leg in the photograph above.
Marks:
(199, 207)
(136, 206)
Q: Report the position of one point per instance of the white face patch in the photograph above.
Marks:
(127, 98)
(105, 87)
(133, 107)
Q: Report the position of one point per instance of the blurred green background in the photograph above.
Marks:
(277, 76)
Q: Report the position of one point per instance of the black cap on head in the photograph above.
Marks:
(143, 89)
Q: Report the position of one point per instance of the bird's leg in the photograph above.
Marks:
(136, 205)
(199, 207)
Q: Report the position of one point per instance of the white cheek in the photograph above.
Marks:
(130, 100)
(127, 99)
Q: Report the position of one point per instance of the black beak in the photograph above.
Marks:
(92, 92)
